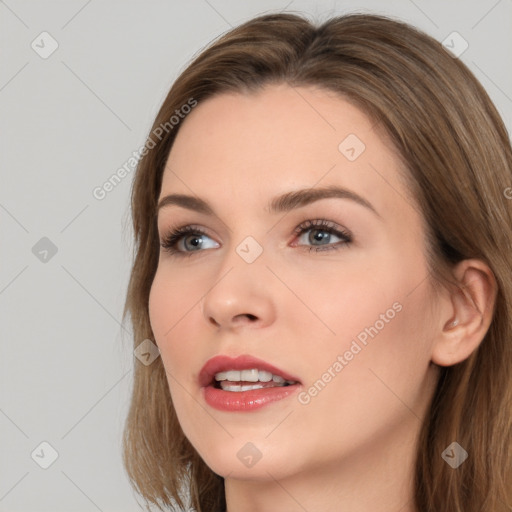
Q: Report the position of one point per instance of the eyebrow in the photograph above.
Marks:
(283, 203)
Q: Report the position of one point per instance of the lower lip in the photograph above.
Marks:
(246, 400)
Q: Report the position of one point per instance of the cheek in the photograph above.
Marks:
(166, 312)
(380, 361)
(161, 308)
(380, 328)
(371, 381)
(170, 298)
(347, 301)
(173, 306)
(168, 316)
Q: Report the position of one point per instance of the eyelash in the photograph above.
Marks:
(171, 240)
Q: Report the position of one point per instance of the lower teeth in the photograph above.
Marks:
(233, 386)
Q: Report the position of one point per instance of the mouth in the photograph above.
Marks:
(244, 383)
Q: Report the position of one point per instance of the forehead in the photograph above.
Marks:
(256, 145)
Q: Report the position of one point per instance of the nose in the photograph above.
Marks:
(240, 298)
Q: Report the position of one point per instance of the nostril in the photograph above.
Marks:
(237, 318)
(247, 315)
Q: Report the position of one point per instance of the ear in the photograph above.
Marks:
(465, 313)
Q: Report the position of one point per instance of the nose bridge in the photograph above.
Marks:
(245, 242)
(239, 289)
(247, 258)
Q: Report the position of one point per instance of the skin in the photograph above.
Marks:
(352, 446)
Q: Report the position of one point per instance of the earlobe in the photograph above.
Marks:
(467, 314)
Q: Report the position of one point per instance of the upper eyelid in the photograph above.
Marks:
(308, 223)
(300, 212)
(161, 217)
(209, 215)
(304, 226)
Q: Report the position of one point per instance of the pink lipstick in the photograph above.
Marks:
(244, 383)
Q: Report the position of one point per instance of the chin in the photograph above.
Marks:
(256, 459)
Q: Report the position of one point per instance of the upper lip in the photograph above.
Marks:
(222, 363)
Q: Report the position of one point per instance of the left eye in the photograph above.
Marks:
(320, 235)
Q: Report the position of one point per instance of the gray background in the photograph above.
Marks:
(68, 122)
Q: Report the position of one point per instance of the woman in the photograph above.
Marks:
(323, 255)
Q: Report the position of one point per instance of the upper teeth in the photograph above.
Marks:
(252, 375)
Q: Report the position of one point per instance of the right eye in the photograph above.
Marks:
(186, 240)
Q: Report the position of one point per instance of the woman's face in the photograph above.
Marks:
(329, 293)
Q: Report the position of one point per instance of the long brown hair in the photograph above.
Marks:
(455, 147)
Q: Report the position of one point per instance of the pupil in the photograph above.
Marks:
(195, 241)
(319, 236)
